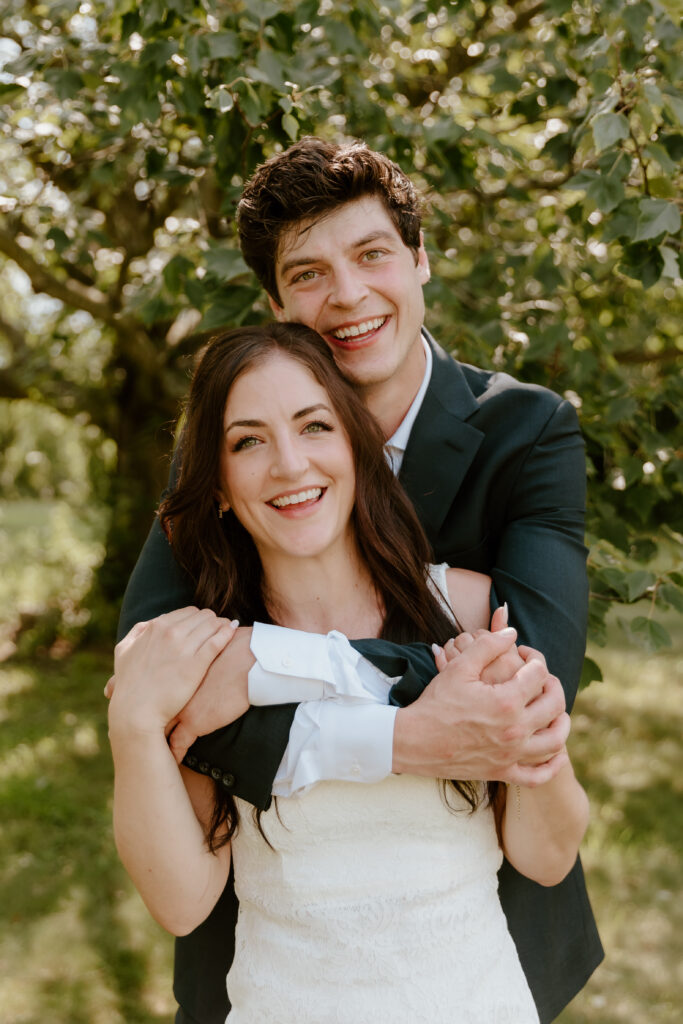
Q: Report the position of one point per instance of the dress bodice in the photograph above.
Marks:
(373, 903)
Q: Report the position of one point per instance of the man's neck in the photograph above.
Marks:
(390, 400)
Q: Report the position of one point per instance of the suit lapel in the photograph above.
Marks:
(441, 445)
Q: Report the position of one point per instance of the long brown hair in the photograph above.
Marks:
(221, 557)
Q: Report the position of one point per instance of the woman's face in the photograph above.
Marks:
(287, 467)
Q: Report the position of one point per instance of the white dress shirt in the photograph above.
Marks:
(343, 728)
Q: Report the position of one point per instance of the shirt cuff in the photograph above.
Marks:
(329, 740)
(293, 666)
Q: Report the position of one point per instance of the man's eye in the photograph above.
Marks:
(308, 275)
(372, 255)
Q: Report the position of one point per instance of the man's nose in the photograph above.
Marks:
(348, 287)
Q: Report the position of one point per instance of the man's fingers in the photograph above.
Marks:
(537, 775)
(546, 743)
(109, 687)
(180, 741)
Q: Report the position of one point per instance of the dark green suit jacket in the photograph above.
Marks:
(496, 472)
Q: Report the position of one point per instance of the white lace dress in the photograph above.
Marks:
(376, 904)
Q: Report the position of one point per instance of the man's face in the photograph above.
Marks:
(351, 278)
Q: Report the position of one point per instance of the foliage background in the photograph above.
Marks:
(547, 136)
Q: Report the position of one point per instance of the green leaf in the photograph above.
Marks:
(646, 633)
(674, 105)
(643, 262)
(66, 84)
(220, 99)
(608, 129)
(672, 595)
(158, 53)
(249, 103)
(175, 271)
(671, 268)
(222, 44)
(606, 192)
(291, 126)
(635, 18)
(225, 264)
(657, 217)
(590, 673)
(658, 153)
(60, 238)
(622, 223)
(580, 182)
(628, 585)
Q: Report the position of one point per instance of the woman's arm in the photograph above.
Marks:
(157, 809)
(541, 827)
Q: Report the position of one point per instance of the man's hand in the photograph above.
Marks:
(221, 699)
(464, 728)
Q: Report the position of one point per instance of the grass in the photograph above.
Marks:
(78, 947)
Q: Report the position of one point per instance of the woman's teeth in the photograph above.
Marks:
(356, 329)
(297, 499)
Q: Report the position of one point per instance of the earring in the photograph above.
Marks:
(220, 511)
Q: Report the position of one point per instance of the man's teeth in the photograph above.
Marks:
(356, 329)
(297, 499)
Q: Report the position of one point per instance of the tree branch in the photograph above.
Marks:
(71, 293)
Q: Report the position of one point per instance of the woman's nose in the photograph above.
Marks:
(290, 460)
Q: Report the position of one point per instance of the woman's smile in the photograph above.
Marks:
(287, 469)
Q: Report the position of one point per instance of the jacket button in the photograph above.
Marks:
(215, 774)
(228, 780)
(190, 761)
(204, 767)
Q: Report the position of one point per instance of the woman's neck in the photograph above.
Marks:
(331, 591)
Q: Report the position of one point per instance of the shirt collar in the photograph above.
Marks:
(398, 441)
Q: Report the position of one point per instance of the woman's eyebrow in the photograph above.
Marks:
(309, 409)
(297, 416)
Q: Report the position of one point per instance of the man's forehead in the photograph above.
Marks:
(295, 235)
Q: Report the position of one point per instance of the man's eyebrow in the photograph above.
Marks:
(297, 416)
(305, 261)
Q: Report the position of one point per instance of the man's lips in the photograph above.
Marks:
(298, 499)
(354, 335)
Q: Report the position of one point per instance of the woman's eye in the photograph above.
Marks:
(316, 427)
(245, 442)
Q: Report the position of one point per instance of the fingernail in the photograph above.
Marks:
(235, 623)
(508, 631)
(505, 611)
(436, 650)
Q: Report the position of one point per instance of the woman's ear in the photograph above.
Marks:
(223, 505)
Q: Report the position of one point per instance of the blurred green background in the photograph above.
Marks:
(547, 137)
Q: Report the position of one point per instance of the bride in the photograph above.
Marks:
(357, 902)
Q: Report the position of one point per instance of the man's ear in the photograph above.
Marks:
(278, 311)
(423, 261)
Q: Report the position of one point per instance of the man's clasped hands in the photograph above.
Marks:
(493, 711)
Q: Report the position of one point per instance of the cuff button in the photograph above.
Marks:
(228, 780)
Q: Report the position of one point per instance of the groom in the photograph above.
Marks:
(495, 470)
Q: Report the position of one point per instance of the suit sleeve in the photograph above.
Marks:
(540, 564)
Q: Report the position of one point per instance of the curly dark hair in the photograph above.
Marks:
(309, 180)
